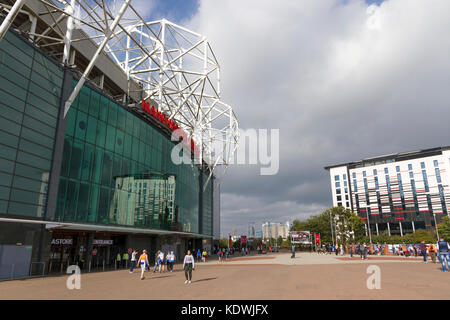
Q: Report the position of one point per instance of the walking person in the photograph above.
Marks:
(444, 248)
(219, 253)
(293, 251)
(423, 251)
(199, 255)
(188, 266)
(350, 250)
(143, 262)
(433, 252)
(204, 255)
(160, 260)
(156, 261)
(133, 260)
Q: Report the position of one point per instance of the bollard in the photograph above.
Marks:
(103, 265)
(50, 267)
(89, 266)
(62, 267)
(12, 270)
(115, 265)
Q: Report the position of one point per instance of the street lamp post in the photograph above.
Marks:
(331, 227)
(435, 224)
(368, 226)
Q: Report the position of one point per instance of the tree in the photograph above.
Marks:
(279, 241)
(444, 228)
(223, 242)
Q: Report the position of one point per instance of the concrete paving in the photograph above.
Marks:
(273, 276)
(306, 258)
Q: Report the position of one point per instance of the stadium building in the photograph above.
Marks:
(398, 193)
(90, 98)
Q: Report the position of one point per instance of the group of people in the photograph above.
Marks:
(439, 250)
(163, 262)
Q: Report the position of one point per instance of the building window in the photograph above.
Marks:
(355, 186)
(397, 168)
(411, 175)
(345, 176)
(409, 166)
(345, 183)
(354, 173)
(435, 162)
(376, 183)
(425, 180)
(339, 204)
(336, 178)
(438, 175)
(347, 204)
(374, 172)
(339, 198)
(364, 173)
(338, 184)
(338, 191)
(346, 197)
(346, 190)
(422, 165)
(386, 170)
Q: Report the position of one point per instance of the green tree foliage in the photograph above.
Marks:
(345, 222)
(223, 242)
(279, 241)
(444, 228)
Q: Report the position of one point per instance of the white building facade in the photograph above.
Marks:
(397, 193)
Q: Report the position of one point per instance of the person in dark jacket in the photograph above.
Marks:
(423, 251)
(443, 248)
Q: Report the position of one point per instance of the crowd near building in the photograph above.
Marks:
(395, 193)
(274, 230)
(85, 188)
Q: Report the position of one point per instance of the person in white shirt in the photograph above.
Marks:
(133, 260)
(188, 266)
(160, 260)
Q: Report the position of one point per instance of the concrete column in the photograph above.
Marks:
(413, 226)
(401, 230)
(389, 229)
(376, 226)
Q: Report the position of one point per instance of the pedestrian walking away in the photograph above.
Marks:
(293, 251)
(171, 258)
(199, 255)
(204, 255)
(188, 266)
(160, 261)
(433, 252)
(133, 260)
(444, 248)
(143, 262)
(423, 251)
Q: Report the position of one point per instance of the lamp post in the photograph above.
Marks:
(368, 226)
(331, 227)
(435, 224)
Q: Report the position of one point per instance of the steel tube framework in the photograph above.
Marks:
(171, 65)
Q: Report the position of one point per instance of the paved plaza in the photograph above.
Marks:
(272, 276)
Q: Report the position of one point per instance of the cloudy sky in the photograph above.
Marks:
(342, 80)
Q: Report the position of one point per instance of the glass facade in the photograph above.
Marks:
(30, 89)
(116, 168)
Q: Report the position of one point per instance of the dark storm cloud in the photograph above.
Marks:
(341, 80)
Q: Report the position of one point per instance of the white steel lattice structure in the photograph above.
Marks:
(162, 61)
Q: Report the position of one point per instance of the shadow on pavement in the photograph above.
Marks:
(206, 279)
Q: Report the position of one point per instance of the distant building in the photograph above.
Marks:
(275, 230)
(398, 193)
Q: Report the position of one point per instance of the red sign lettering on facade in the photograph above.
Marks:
(161, 117)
